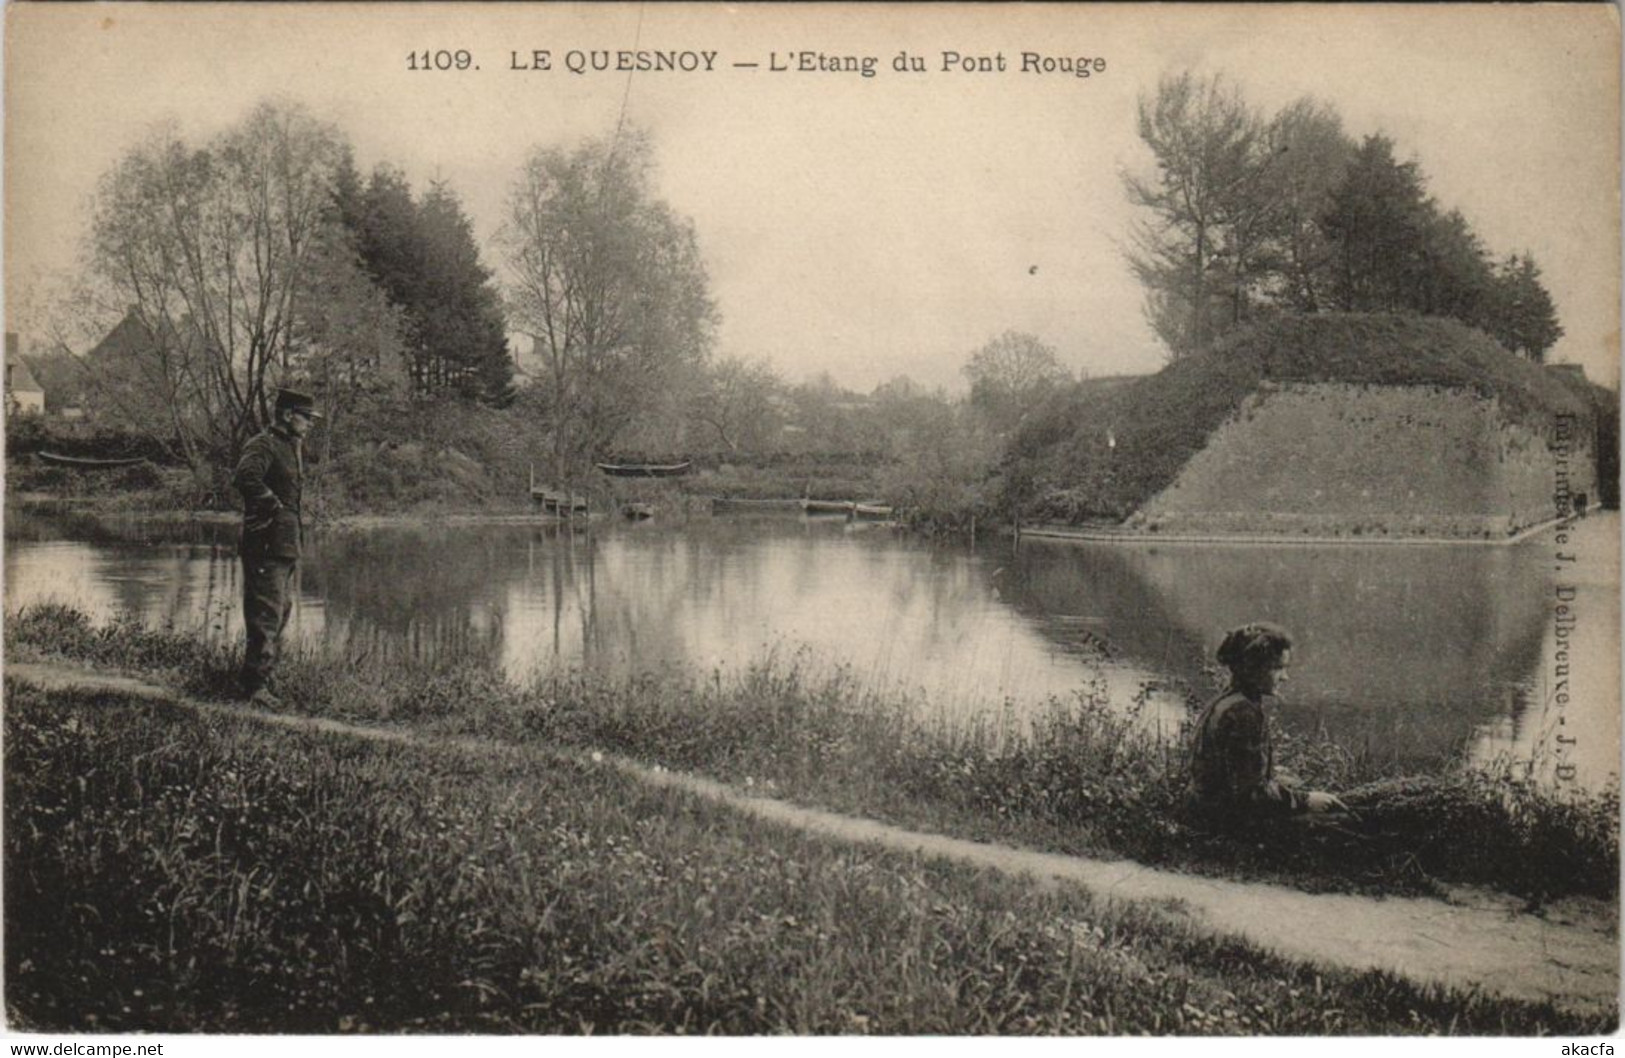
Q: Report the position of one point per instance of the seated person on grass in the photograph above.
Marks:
(1233, 776)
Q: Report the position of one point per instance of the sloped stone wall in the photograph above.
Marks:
(1351, 460)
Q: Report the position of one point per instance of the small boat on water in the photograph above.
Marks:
(842, 507)
(637, 512)
(645, 470)
(85, 463)
(555, 502)
(848, 508)
(723, 504)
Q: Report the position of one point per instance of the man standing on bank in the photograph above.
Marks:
(270, 477)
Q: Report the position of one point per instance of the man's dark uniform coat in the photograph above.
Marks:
(269, 478)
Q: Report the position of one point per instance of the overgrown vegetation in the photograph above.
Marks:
(209, 874)
(1082, 778)
(1100, 452)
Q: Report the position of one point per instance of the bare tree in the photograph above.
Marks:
(205, 253)
(736, 402)
(608, 283)
(1196, 245)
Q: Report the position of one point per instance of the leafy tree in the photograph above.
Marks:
(608, 283)
(827, 417)
(1523, 317)
(352, 357)
(1307, 152)
(1010, 374)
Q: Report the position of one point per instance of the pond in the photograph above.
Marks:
(1409, 650)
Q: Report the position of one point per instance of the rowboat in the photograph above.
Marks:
(846, 507)
(720, 504)
(842, 507)
(637, 512)
(83, 463)
(645, 470)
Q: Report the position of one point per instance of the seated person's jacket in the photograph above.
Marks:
(1233, 763)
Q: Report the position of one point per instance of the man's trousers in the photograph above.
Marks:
(267, 602)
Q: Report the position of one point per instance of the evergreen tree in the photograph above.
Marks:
(461, 322)
(1378, 221)
(423, 256)
(1523, 317)
(1455, 278)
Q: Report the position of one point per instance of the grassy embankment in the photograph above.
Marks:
(168, 871)
(1060, 466)
(1084, 779)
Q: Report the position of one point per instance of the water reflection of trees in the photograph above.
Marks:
(433, 592)
(1408, 649)
(42, 524)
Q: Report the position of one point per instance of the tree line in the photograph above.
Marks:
(216, 270)
(1250, 214)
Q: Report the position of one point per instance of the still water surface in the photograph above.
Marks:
(1410, 650)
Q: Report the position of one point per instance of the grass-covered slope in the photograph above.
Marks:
(1062, 466)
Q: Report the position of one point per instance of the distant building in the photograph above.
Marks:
(24, 396)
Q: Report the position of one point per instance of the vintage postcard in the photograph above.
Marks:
(859, 519)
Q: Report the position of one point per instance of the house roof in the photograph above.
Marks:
(19, 379)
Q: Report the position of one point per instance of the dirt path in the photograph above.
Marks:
(1568, 954)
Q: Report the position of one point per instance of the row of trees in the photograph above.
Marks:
(1249, 214)
(216, 271)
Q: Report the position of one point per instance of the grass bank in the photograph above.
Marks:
(173, 872)
(1083, 778)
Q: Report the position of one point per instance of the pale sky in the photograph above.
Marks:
(868, 227)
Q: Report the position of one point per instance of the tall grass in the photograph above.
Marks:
(1082, 777)
(173, 872)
